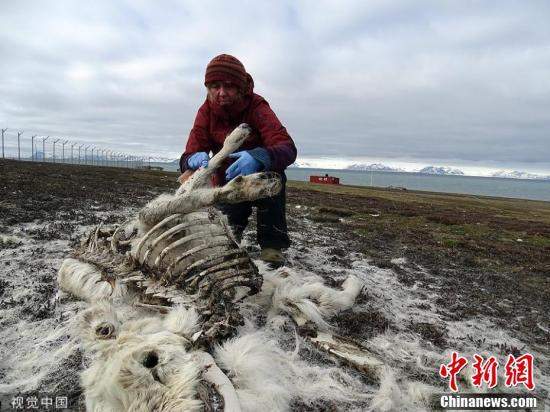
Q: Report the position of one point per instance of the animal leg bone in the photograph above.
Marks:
(348, 351)
(213, 374)
(201, 176)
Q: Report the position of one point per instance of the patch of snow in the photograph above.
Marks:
(374, 167)
(399, 261)
(441, 170)
(515, 174)
(46, 358)
(401, 347)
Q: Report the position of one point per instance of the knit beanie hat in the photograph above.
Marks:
(226, 68)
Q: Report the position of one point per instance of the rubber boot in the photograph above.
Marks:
(273, 257)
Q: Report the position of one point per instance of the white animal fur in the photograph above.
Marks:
(258, 371)
(264, 376)
(84, 281)
(404, 396)
(268, 378)
(182, 321)
(118, 380)
(306, 297)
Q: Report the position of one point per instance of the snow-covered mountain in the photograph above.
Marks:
(302, 164)
(441, 170)
(514, 174)
(343, 164)
(374, 167)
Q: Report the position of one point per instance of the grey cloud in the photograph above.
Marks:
(398, 79)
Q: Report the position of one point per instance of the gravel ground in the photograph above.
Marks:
(417, 307)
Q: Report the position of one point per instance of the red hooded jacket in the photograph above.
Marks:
(212, 126)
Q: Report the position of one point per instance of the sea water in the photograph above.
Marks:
(472, 185)
(486, 186)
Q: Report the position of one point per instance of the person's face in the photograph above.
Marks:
(223, 93)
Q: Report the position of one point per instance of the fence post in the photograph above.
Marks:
(19, 145)
(3, 131)
(54, 142)
(63, 152)
(44, 147)
(32, 148)
(86, 154)
(72, 151)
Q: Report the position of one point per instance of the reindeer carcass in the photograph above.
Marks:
(179, 264)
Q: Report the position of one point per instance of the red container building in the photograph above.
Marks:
(326, 179)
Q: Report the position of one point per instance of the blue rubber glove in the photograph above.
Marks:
(199, 159)
(244, 165)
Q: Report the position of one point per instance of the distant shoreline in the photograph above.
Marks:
(417, 173)
(369, 190)
(499, 187)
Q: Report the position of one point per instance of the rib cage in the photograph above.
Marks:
(188, 258)
(198, 253)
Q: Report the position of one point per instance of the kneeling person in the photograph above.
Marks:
(231, 101)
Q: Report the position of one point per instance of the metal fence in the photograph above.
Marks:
(59, 150)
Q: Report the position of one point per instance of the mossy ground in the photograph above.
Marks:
(490, 256)
(480, 232)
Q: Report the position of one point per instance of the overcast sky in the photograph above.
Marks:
(441, 82)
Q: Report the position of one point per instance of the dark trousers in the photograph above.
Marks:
(271, 213)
